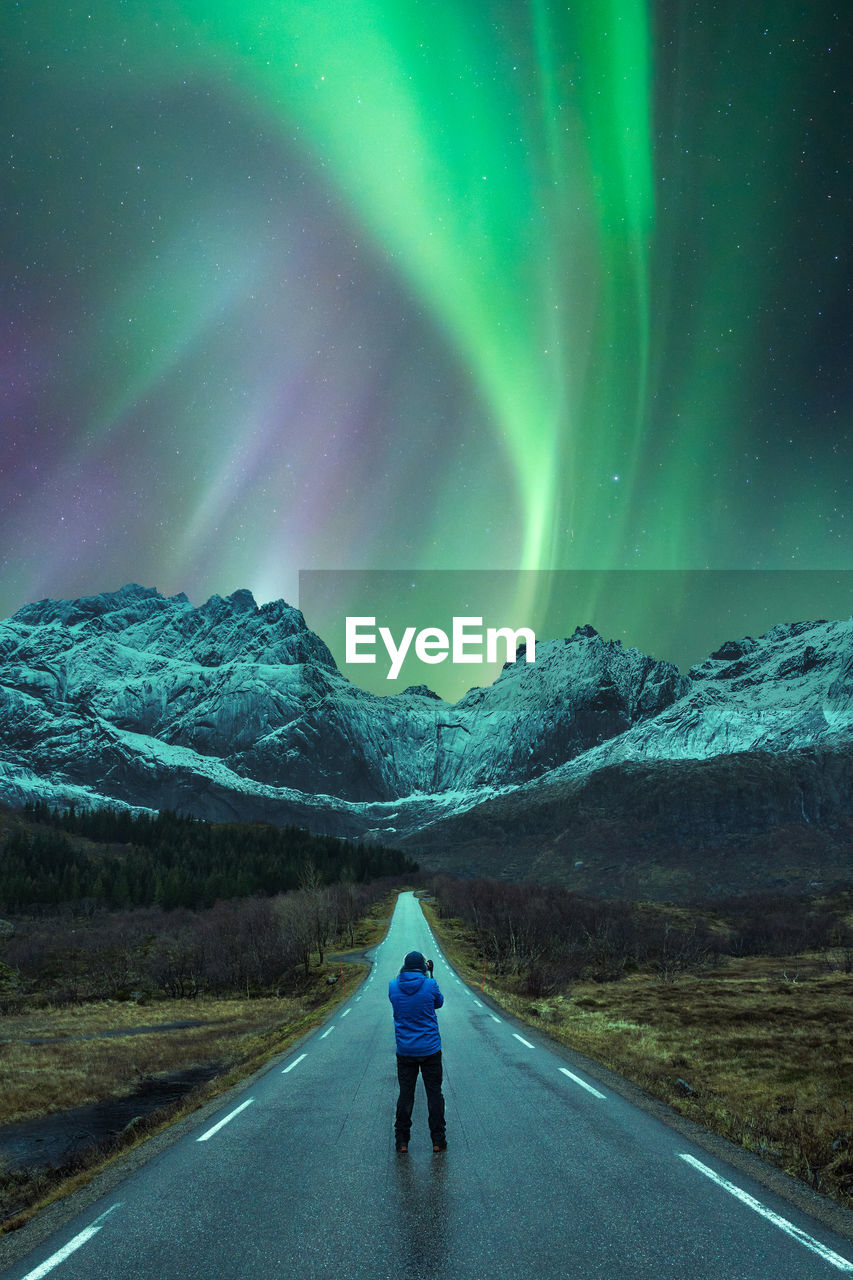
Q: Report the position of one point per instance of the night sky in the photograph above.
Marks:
(458, 284)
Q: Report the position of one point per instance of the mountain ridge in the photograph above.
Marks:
(231, 710)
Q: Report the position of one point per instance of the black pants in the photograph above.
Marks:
(407, 1075)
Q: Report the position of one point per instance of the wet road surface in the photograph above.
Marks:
(547, 1173)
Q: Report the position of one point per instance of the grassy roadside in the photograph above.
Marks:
(237, 1037)
(758, 1050)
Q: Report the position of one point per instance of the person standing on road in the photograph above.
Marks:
(415, 996)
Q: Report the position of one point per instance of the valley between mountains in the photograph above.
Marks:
(598, 767)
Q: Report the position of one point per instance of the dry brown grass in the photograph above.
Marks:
(239, 1036)
(759, 1051)
(42, 1078)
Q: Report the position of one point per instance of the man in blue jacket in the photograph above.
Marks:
(415, 996)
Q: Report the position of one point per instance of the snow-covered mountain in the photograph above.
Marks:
(788, 690)
(231, 711)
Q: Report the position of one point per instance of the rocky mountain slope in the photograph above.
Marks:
(231, 711)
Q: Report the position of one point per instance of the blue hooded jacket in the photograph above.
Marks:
(415, 998)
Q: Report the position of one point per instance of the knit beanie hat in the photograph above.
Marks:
(414, 960)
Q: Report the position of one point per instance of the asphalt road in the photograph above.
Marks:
(547, 1174)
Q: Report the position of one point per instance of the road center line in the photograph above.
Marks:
(523, 1041)
(782, 1223)
(242, 1107)
(294, 1063)
(583, 1084)
(65, 1252)
(328, 1033)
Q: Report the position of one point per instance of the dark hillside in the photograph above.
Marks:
(664, 829)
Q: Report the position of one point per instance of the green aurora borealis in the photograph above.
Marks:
(473, 283)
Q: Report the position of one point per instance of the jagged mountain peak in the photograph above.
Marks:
(129, 599)
(585, 632)
(231, 709)
(223, 629)
(587, 659)
(786, 650)
(240, 601)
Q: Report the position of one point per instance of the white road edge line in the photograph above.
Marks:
(523, 1041)
(346, 1011)
(782, 1223)
(294, 1063)
(494, 1019)
(583, 1084)
(477, 1003)
(328, 1033)
(242, 1107)
(60, 1256)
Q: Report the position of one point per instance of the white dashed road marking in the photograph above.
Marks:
(523, 1041)
(242, 1107)
(294, 1063)
(55, 1258)
(782, 1223)
(583, 1084)
(328, 1033)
